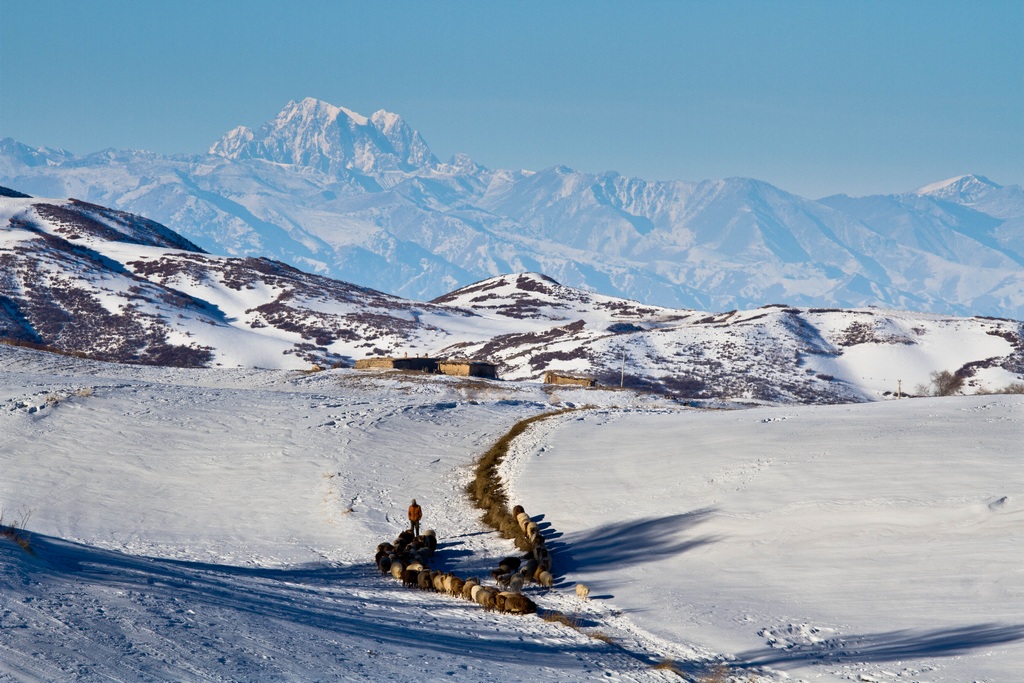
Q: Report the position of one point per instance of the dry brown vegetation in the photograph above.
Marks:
(17, 531)
(1014, 388)
(668, 665)
(487, 491)
(555, 617)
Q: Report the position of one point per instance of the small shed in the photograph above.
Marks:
(468, 368)
(556, 377)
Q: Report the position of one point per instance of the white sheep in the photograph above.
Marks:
(582, 591)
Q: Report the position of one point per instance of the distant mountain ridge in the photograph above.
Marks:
(363, 199)
(86, 280)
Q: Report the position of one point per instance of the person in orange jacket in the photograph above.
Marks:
(415, 515)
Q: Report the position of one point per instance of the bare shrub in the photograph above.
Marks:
(1014, 388)
(944, 383)
(17, 531)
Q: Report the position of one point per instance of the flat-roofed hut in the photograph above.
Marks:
(556, 377)
(420, 364)
(468, 368)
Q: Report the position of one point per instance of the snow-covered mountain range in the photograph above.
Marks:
(363, 199)
(84, 279)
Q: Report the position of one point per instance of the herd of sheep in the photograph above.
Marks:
(408, 559)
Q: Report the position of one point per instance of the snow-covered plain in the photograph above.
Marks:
(220, 524)
(882, 540)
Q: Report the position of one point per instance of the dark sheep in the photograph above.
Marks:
(512, 563)
(516, 603)
(425, 581)
(384, 564)
(517, 510)
(409, 578)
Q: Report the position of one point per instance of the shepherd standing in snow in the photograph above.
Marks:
(415, 515)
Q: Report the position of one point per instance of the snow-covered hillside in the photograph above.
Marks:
(363, 199)
(86, 280)
(220, 524)
(874, 543)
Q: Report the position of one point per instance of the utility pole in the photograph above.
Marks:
(622, 372)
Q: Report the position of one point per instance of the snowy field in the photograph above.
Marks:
(869, 542)
(220, 525)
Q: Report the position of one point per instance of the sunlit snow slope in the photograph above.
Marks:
(876, 543)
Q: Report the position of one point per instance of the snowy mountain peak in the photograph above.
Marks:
(233, 142)
(386, 121)
(460, 164)
(330, 138)
(961, 189)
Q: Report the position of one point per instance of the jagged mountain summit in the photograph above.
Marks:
(315, 134)
(82, 279)
(363, 199)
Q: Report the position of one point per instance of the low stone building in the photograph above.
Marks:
(457, 367)
(468, 368)
(418, 364)
(556, 377)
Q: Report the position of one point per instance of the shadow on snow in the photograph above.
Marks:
(628, 543)
(351, 601)
(887, 647)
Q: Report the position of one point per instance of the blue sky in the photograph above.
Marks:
(815, 97)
